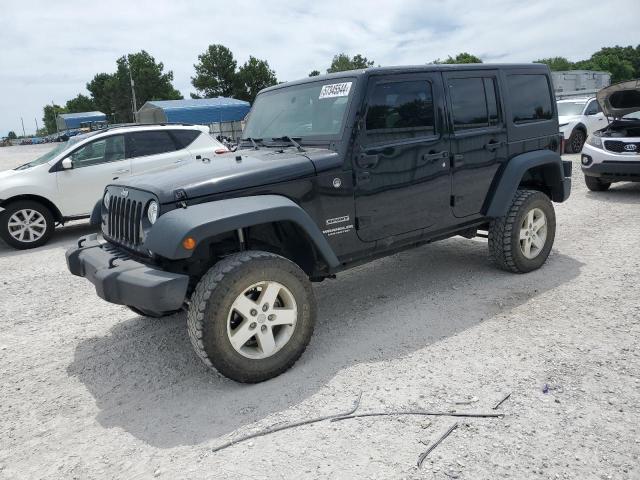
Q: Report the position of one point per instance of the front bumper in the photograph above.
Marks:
(125, 281)
(609, 165)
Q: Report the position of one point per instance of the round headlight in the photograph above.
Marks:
(152, 212)
(106, 199)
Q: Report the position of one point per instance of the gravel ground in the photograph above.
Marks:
(91, 390)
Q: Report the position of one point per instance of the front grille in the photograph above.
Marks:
(620, 147)
(123, 224)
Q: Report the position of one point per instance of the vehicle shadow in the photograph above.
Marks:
(63, 237)
(623, 192)
(146, 379)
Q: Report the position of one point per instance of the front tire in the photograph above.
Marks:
(521, 241)
(595, 184)
(26, 224)
(251, 316)
(576, 141)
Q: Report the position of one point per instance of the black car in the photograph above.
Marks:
(332, 172)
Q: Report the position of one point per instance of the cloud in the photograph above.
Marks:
(51, 50)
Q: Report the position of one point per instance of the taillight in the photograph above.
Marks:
(220, 151)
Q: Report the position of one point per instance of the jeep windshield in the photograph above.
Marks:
(308, 110)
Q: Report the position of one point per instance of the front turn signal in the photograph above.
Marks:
(189, 243)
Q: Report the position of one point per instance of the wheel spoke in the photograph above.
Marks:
(266, 341)
(284, 316)
(530, 216)
(269, 294)
(242, 334)
(523, 234)
(540, 222)
(243, 305)
(527, 247)
(537, 242)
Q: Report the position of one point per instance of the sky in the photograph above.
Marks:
(50, 50)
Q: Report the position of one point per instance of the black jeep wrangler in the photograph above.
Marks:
(333, 171)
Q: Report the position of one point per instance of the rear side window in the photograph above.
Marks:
(184, 138)
(400, 110)
(530, 98)
(473, 102)
(151, 143)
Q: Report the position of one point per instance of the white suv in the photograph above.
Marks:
(612, 154)
(579, 118)
(65, 183)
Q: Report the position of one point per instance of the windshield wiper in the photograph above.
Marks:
(291, 140)
(254, 142)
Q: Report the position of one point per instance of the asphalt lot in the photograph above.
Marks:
(91, 390)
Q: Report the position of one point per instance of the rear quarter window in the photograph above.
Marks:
(184, 138)
(530, 96)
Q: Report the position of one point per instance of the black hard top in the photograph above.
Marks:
(430, 67)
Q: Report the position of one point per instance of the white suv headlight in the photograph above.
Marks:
(152, 212)
(594, 141)
(106, 199)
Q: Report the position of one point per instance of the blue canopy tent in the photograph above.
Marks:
(66, 121)
(201, 111)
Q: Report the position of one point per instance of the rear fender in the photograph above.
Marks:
(557, 179)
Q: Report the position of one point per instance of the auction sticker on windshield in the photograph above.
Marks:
(335, 90)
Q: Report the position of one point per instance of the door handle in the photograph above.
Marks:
(119, 172)
(434, 156)
(493, 145)
(367, 161)
(180, 160)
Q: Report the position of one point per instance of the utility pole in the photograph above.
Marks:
(22, 121)
(36, 120)
(133, 95)
(55, 116)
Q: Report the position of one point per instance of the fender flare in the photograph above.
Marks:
(515, 169)
(206, 220)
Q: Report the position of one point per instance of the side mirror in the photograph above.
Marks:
(67, 163)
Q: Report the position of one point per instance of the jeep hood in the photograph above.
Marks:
(228, 172)
(620, 99)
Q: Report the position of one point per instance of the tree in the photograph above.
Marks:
(102, 89)
(215, 72)
(463, 57)
(252, 77)
(343, 62)
(556, 63)
(314, 73)
(12, 135)
(619, 69)
(111, 92)
(81, 103)
(50, 114)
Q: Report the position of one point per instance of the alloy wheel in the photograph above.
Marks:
(27, 225)
(533, 233)
(262, 319)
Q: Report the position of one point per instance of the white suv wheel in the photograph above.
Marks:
(27, 225)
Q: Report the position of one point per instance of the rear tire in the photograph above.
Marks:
(521, 241)
(576, 141)
(595, 184)
(26, 224)
(251, 316)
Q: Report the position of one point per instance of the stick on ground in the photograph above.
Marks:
(279, 428)
(419, 412)
(435, 444)
(495, 407)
